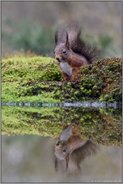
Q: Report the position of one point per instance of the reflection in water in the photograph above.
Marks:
(31, 158)
(104, 125)
(71, 149)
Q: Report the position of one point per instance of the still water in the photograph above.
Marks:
(30, 136)
(31, 158)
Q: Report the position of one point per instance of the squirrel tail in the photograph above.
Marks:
(78, 45)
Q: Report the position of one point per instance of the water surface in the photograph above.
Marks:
(29, 135)
(31, 158)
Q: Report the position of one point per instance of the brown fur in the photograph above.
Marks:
(70, 49)
(72, 149)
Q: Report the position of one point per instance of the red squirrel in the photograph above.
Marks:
(71, 52)
(71, 149)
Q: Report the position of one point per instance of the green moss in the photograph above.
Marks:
(31, 78)
(101, 80)
(30, 68)
(104, 127)
(18, 120)
(35, 78)
(38, 79)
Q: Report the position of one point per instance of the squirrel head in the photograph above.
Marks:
(61, 46)
(61, 150)
(71, 149)
(68, 137)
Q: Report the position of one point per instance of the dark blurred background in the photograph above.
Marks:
(30, 26)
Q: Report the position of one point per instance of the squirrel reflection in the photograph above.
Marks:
(70, 149)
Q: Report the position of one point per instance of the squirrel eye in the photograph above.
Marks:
(64, 51)
(64, 151)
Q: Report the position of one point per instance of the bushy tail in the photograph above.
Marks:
(78, 45)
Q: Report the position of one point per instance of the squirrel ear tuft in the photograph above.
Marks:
(56, 37)
(61, 36)
(56, 164)
(67, 41)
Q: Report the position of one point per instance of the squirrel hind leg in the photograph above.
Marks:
(66, 77)
(75, 74)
